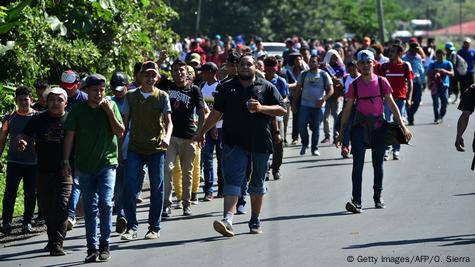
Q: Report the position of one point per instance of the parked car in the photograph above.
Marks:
(274, 48)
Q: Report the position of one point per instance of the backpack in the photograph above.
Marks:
(460, 65)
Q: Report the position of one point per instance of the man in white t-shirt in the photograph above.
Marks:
(213, 137)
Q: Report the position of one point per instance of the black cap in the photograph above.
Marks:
(95, 79)
(209, 66)
(234, 56)
(118, 81)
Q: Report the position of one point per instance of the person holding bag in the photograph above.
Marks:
(368, 131)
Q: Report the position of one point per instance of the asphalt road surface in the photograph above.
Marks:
(429, 219)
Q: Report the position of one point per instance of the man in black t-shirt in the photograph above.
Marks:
(467, 106)
(53, 188)
(248, 105)
(185, 98)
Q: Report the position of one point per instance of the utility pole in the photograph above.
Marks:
(198, 17)
(379, 8)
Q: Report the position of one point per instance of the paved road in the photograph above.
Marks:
(430, 195)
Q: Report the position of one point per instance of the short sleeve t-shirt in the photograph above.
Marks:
(208, 91)
(183, 101)
(313, 87)
(250, 131)
(467, 101)
(14, 123)
(397, 75)
(445, 64)
(375, 105)
(95, 143)
(49, 137)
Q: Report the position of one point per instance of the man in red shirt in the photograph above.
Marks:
(400, 76)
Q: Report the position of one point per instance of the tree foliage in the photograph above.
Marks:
(85, 35)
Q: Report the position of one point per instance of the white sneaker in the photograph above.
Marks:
(396, 155)
(224, 227)
(386, 155)
(71, 224)
(152, 235)
(315, 152)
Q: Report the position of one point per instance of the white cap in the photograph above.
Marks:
(468, 40)
(56, 91)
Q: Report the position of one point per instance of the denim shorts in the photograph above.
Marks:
(241, 166)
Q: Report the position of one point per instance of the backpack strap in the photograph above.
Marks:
(380, 85)
(355, 90)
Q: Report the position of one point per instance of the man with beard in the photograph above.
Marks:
(247, 103)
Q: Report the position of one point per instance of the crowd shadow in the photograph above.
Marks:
(313, 160)
(455, 240)
(302, 216)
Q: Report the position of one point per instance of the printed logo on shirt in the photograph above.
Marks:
(178, 99)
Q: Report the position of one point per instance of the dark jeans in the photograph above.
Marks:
(465, 81)
(358, 150)
(416, 101)
(442, 94)
(53, 194)
(295, 126)
(207, 161)
(15, 172)
(278, 151)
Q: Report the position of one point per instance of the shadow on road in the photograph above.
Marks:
(466, 194)
(451, 240)
(302, 216)
(314, 159)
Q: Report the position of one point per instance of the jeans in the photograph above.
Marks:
(16, 172)
(278, 151)
(313, 117)
(416, 101)
(388, 116)
(378, 147)
(236, 164)
(120, 188)
(295, 126)
(441, 94)
(74, 197)
(332, 107)
(53, 194)
(155, 164)
(97, 192)
(207, 160)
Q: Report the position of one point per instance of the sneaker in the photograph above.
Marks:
(386, 155)
(92, 255)
(353, 207)
(121, 225)
(26, 229)
(208, 197)
(277, 175)
(186, 211)
(241, 209)
(178, 206)
(104, 252)
(71, 223)
(345, 152)
(7, 229)
(57, 250)
(294, 142)
(167, 212)
(326, 140)
(303, 151)
(224, 227)
(139, 200)
(315, 152)
(152, 235)
(396, 155)
(378, 202)
(219, 195)
(194, 199)
(39, 221)
(129, 235)
(255, 226)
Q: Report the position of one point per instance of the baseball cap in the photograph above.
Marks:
(69, 80)
(149, 66)
(56, 91)
(209, 66)
(260, 54)
(364, 55)
(450, 46)
(413, 40)
(467, 40)
(118, 81)
(95, 79)
(196, 58)
(233, 56)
